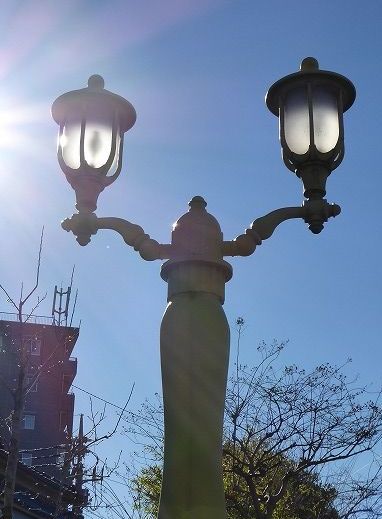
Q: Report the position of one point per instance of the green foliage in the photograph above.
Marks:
(146, 487)
(304, 497)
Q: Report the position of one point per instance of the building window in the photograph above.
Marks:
(30, 385)
(28, 421)
(26, 458)
(32, 345)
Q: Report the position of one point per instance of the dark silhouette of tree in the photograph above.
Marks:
(22, 386)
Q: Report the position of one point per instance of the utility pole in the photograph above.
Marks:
(78, 469)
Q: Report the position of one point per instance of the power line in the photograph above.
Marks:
(99, 398)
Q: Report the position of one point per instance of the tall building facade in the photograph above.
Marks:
(42, 348)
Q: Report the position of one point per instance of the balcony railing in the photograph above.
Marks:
(26, 318)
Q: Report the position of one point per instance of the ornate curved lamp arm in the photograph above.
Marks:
(314, 213)
(266, 225)
(84, 225)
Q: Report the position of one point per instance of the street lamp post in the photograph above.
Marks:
(194, 337)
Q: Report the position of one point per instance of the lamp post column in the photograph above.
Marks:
(194, 358)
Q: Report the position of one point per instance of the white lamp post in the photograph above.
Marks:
(194, 331)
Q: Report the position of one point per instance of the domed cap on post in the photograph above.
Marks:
(196, 263)
(197, 232)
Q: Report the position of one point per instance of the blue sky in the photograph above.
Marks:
(197, 73)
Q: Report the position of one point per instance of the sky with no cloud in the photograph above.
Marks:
(197, 73)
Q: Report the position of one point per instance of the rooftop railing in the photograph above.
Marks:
(34, 319)
(27, 318)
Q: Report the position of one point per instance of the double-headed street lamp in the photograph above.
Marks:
(194, 337)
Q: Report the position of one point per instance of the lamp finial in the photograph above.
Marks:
(309, 64)
(96, 82)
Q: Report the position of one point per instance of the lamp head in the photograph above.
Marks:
(310, 106)
(92, 124)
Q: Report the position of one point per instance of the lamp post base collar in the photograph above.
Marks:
(196, 275)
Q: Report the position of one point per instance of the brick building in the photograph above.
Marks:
(45, 350)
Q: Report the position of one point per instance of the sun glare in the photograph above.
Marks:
(7, 128)
(18, 122)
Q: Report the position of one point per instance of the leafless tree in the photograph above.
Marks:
(307, 442)
(81, 466)
(22, 387)
(91, 474)
(321, 422)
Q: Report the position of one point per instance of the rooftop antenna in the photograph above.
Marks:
(61, 300)
(74, 307)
